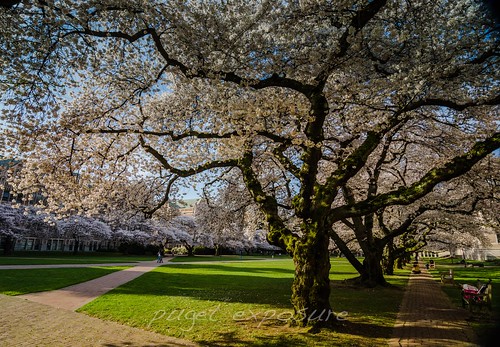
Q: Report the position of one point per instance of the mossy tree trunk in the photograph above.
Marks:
(311, 284)
(374, 274)
(389, 258)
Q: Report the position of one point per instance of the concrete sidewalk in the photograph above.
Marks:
(427, 317)
(75, 296)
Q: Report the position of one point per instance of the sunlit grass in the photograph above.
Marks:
(247, 304)
(17, 282)
(485, 323)
(223, 258)
(70, 259)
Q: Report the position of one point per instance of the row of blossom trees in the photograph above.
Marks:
(25, 221)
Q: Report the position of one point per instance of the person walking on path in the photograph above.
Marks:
(427, 317)
(159, 257)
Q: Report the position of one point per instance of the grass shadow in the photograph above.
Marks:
(181, 300)
(230, 267)
(211, 287)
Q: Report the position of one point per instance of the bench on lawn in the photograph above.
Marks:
(477, 296)
(447, 277)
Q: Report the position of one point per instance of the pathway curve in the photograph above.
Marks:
(75, 296)
(427, 317)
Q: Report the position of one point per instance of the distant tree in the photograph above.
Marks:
(230, 216)
(82, 229)
(17, 222)
(188, 233)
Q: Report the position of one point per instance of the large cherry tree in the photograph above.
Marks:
(296, 95)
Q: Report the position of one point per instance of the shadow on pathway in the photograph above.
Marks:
(427, 317)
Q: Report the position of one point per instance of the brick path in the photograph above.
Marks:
(427, 317)
(29, 324)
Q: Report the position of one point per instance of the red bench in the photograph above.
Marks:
(477, 296)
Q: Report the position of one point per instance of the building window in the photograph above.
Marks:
(29, 244)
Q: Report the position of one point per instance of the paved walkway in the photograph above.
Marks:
(29, 324)
(75, 296)
(427, 317)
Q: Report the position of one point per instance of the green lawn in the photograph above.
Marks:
(485, 323)
(247, 304)
(70, 259)
(17, 282)
(211, 258)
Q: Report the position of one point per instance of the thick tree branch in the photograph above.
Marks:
(346, 251)
(495, 100)
(187, 134)
(170, 133)
(406, 195)
(274, 80)
(287, 163)
(403, 227)
(350, 166)
(279, 235)
(149, 213)
(187, 172)
(359, 20)
(311, 155)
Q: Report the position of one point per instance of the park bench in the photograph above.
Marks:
(447, 277)
(472, 296)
